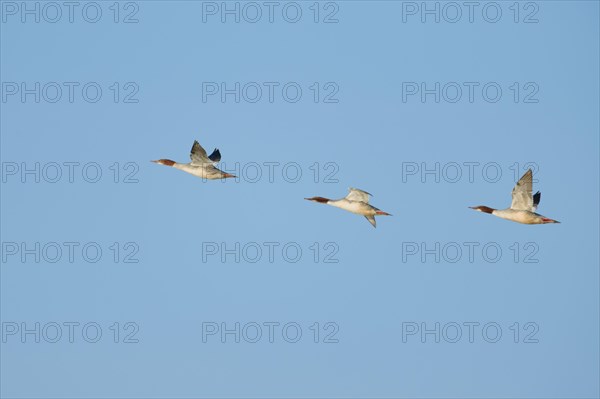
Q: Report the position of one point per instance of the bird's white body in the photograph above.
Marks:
(203, 171)
(357, 207)
(520, 216)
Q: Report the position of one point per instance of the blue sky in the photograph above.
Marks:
(154, 75)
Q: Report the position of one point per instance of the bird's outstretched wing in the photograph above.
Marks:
(199, 157)
(522, 199)
(358, 195)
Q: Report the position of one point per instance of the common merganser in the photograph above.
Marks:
(201, 165)
(357, 201)
(522, 209)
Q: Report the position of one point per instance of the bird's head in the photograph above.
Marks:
(321, 200)
(482, 208)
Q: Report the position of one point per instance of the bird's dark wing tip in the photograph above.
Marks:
(536, 198)
(215, 156)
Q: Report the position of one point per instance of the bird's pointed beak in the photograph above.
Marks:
(382, 213)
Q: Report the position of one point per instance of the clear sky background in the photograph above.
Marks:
(371, 135)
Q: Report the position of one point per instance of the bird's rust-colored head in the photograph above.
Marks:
(321, 200)
(482, 208)
(166, 162)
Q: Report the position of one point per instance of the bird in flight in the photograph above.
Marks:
(523, 206)
(357, 201)
(202, 165)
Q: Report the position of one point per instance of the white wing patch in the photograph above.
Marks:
(358, 195)
(522, 200)
(198, 154)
